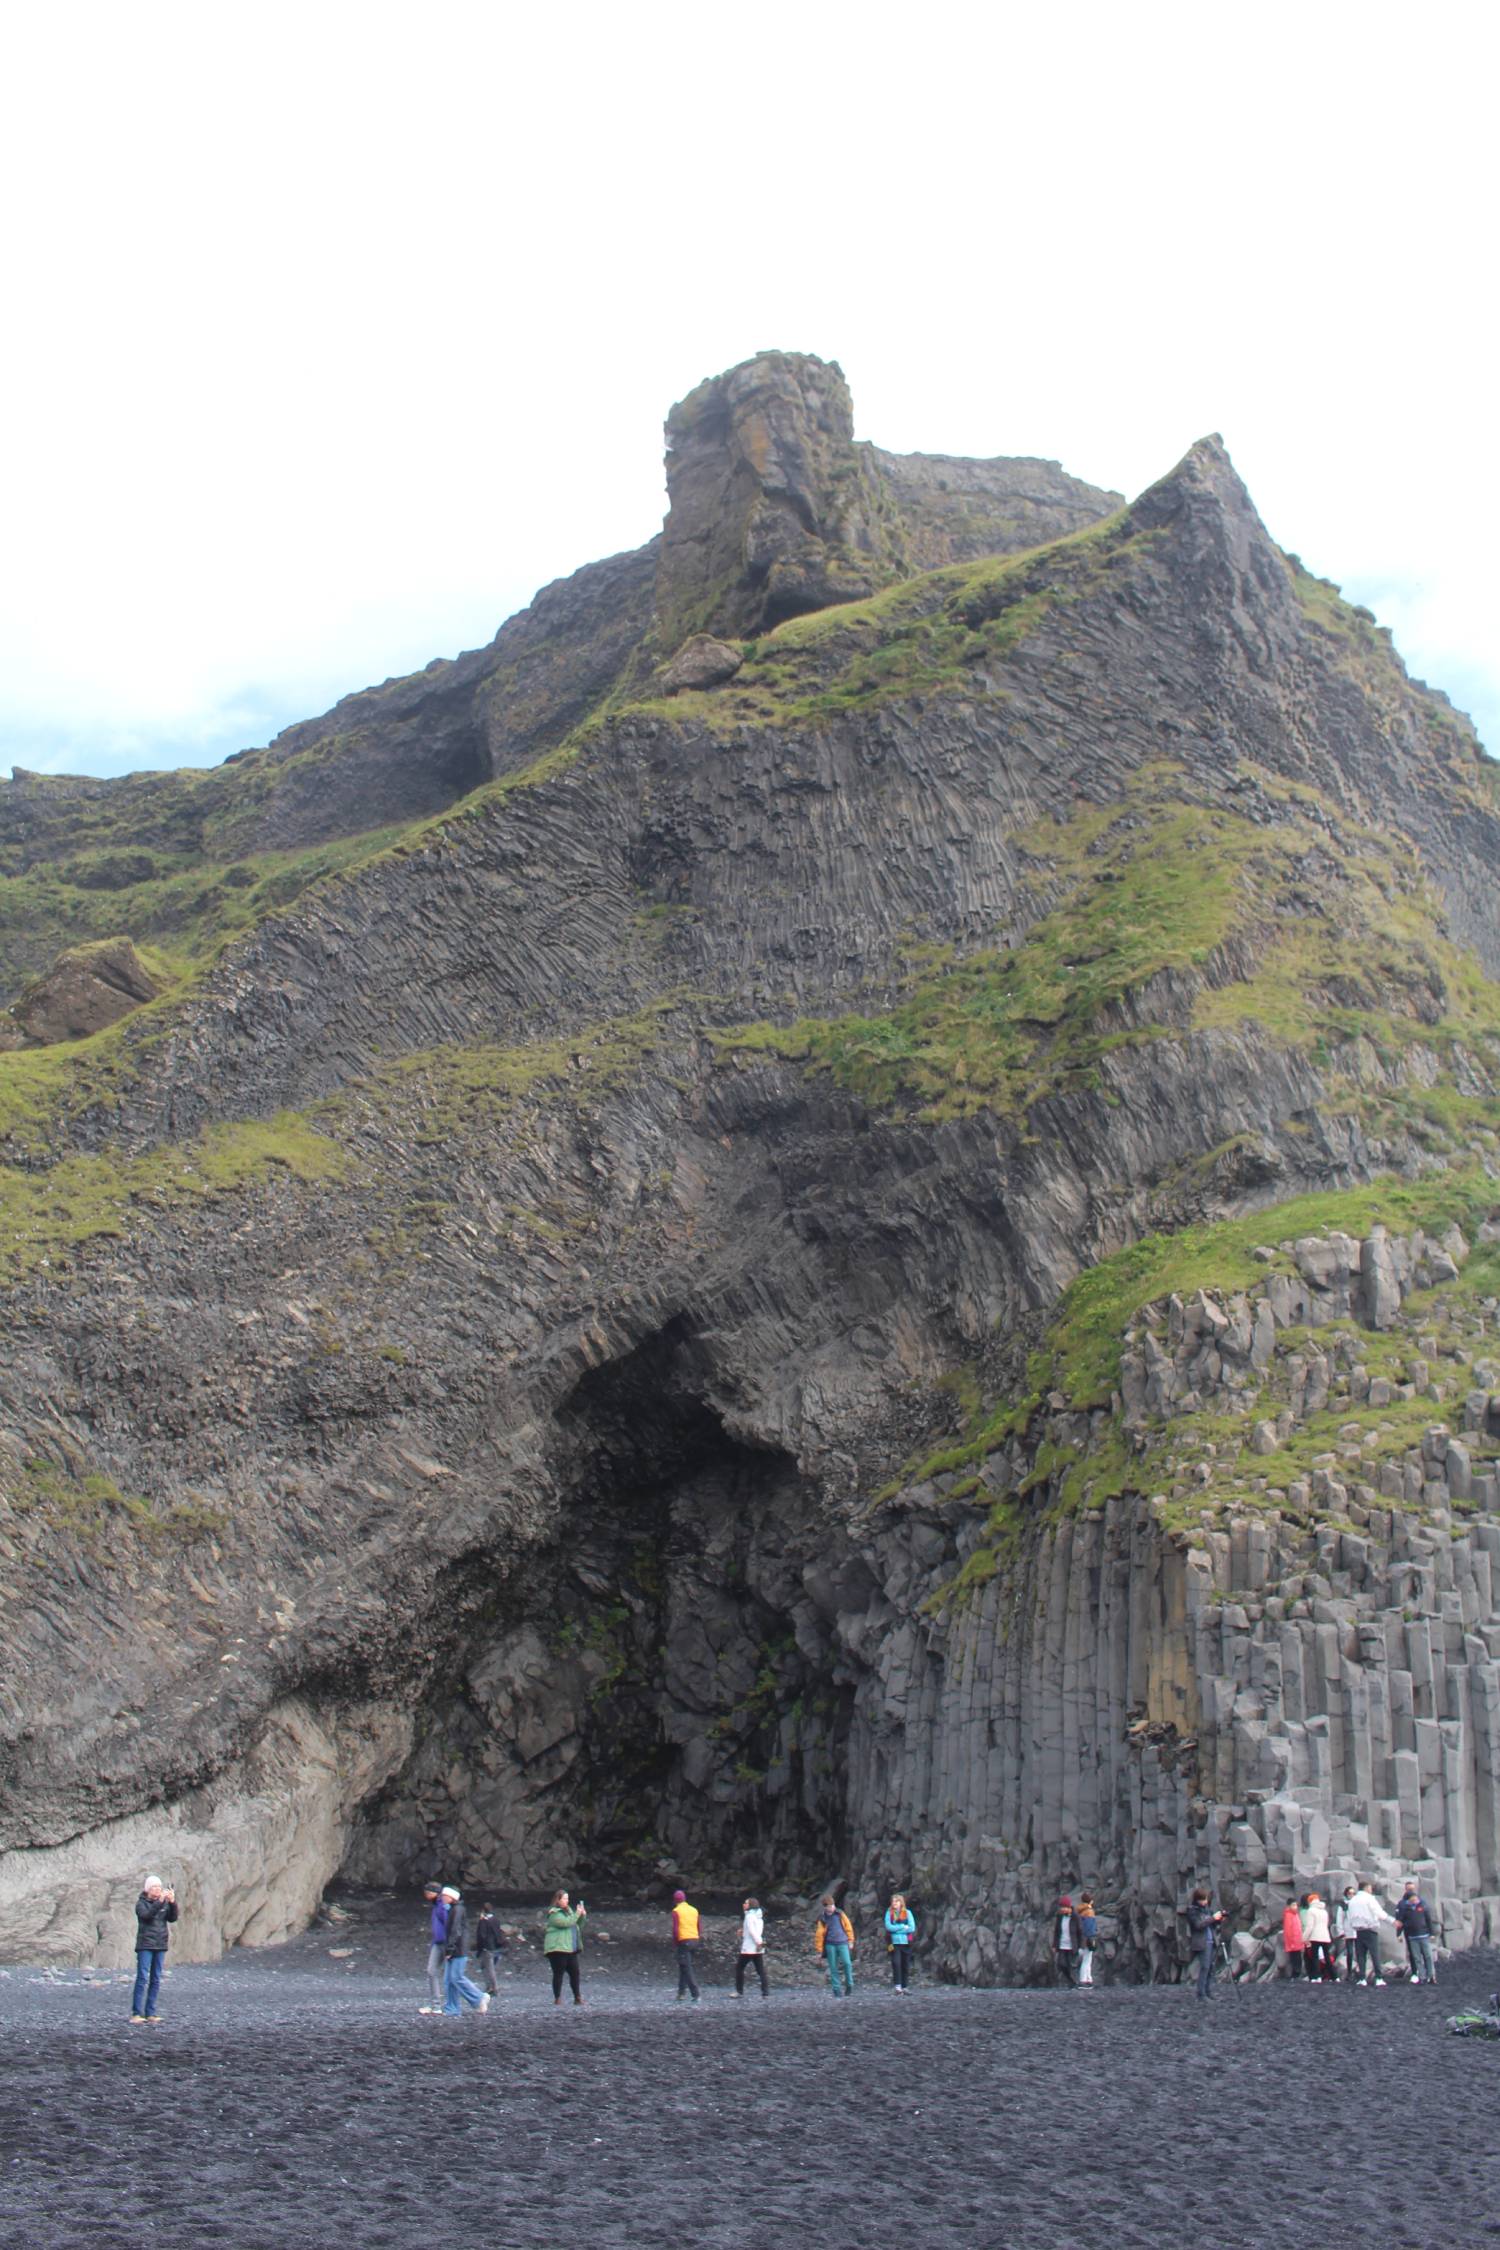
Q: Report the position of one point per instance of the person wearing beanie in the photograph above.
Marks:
(459, 1989)
(1065, 1941)
(685, 1936)
(154, 1909)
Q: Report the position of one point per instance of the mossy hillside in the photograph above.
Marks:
(45, 1216)
(1365, 653)
(1204, 1465)
(936, 633)
(184, 908)
(86, 1504)
(1337, 940)
(1078, 1360)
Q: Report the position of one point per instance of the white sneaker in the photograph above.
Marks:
(484, 2004)
(1380, 1984)
(1414, 1980)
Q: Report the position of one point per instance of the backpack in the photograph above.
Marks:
(1478, 2023)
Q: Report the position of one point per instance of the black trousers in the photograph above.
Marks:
(687, 1952)
(898, 1964)
(564, 1965)
(757, 1962)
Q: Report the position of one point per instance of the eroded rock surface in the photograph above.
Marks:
(514, 1308)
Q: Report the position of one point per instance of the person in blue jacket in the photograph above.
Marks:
(1088, 1938)
(900, 1930)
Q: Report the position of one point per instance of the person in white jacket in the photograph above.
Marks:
(752, 1952)
(1364, 1915)
(1318, 1940)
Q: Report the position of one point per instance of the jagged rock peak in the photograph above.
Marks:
(776, 509)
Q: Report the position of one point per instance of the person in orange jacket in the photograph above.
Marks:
(685, 1934)
(1292, 1939)
(833, 1937)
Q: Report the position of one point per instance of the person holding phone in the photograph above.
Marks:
(563, 1944)
(154, 1909)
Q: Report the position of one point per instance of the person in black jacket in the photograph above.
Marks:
(459, 1988)
(1415, 1918)
(1204, 1924)
(154, 1909)
(489, 1940)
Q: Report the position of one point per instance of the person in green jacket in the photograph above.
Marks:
(563, 1944)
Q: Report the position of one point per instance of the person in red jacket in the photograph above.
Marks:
(1292, 1939)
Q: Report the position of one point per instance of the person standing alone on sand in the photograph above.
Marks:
(900, 1929)
(1204, 1925)
(154, 1909)
(752, 1952)
(562, 1945)
(833, 1936)
(685, 1935)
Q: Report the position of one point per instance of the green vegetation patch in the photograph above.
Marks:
(936, 633)
(46, 1215)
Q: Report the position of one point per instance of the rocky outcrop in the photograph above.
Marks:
(775, 510)
(510, 1305)
(86, 989)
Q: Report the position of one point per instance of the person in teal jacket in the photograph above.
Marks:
(900, 1931)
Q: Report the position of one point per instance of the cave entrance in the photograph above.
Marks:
(654, 1686)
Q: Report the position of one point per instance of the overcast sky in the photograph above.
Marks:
(333, 331)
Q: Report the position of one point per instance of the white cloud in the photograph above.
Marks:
(335, 329)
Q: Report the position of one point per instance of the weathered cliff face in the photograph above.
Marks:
(475, 1351)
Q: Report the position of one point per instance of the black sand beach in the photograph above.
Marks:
(296, 2098)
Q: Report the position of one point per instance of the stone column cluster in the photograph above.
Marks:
(1285, 1687)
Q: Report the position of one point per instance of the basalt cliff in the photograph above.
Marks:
(833, 1212)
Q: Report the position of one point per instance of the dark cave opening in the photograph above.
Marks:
(654, 1685)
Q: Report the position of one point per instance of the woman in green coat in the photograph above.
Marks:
(563, 1944)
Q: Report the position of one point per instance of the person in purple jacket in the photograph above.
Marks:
(437, 1934)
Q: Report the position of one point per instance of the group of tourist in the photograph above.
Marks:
(451, 1989)
(1315, 1944)
(1314, 1947)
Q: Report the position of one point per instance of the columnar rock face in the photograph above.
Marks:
(848, 1247)
(1275, 1689)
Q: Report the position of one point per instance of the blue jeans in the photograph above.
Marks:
(840, 1964)
(1419, 1953)
(147, 1982)
(459, 1986)
(1207, 1961)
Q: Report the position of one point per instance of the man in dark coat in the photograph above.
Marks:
(1415, 1918)
(154, 1909)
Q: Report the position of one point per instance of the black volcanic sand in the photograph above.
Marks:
(294, 2098)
